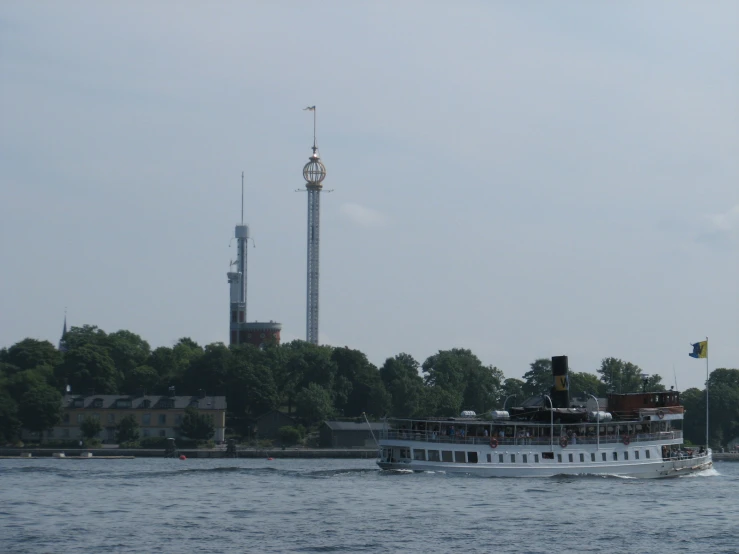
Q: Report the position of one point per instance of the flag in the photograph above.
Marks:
(310, 108)
(700, 350)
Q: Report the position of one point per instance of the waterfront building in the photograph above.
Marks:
(157, 415)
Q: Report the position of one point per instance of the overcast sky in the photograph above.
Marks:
(524, 179)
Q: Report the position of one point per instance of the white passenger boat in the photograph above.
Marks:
(640, 435)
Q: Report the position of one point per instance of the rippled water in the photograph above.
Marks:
(205, 506)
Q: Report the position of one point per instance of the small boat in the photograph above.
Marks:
(636, 435)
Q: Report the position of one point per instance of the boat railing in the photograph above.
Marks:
(520, 441)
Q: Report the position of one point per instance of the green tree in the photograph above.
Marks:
(127, 350)
(31, 353)
(513, 389)
(583, 383)
(539, 378)
(460, 372)
(87, 335)
(40, 408)
(89, 368)
(90, 427)
(403, 381)
(127, 430)
(620, 376)
(440, 402)
(367, 392)
(197, 426)
(143, 378)
(313, 404)
(9, 422)
(289, 435)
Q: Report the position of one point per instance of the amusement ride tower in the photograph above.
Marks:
(240, 330)
(314, 173)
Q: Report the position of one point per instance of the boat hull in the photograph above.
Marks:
(568, 461)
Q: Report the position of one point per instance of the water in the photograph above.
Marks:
(223, 505)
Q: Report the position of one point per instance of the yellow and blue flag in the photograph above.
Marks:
(700, 350)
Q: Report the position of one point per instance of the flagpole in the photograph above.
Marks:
(706, 394)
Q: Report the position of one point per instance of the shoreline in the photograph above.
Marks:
(128, 453)
(251, 453)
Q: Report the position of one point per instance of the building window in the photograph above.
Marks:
(419, 455)
(446, 456)
(646, 452)
(78, 403)
(162, 419)
(178, 419)
(241, 316)
(233, 316)
(123, 403)
(80, 418)
(434, 456)
(97, 403)
(603, 455)
(525, 459)
(66, 418)
(459, 457)
(582, 457)
(471, 457)
(147, 433)
(96, 417)
(146, 419)
(111, 418)
(145, 404)
(193, 404)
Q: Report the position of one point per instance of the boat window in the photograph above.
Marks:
(490, 458)
(547, 455)
(603, 455)
(459, 456)
(570, 458)
(513, 458)
(446, 456)
(434, 456)
(559, 458)
(419, 455)
(592, 456)
(471, 457)
(636, 454)
(615, 456)
(582, 457)
(626, 455)
(536, 458)
(405, 453)
(500, 458)
(525, 459)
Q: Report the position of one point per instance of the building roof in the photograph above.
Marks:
(354, 426)
(144, 402)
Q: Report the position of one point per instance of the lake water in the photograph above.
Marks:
(225, 505)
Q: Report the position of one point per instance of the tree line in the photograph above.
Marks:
(310, 382)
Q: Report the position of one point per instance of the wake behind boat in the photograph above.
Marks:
(640, 435)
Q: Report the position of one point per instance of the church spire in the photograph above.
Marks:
(62, 341)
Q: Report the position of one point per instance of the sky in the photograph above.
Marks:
(523, 179)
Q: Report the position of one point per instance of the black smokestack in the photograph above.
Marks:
(561, 388)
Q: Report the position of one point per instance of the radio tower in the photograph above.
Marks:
(314, 173)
